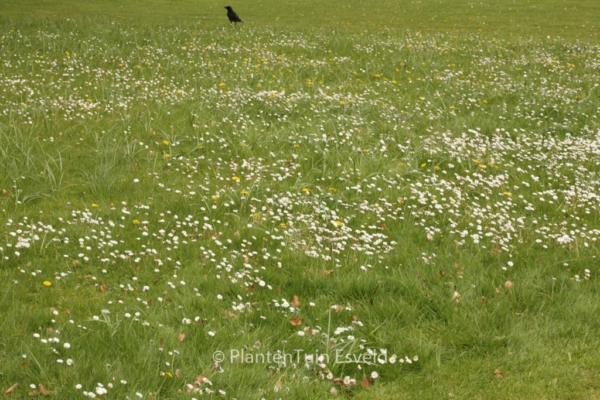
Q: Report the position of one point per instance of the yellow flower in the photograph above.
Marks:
(506, 193)
(305, 190)
(256, 216)
(136, 221)
(94, 205)
(166, 142)
(244, 192)
(332, 189)
(47, 283)
(236, 178)
(338, 223)
(222, 84)
(166, 156)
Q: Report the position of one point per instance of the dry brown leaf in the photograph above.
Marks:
(103, 288)
(181, 336)
(33, 393)
(9, 391)
(200, 379)
(4, 192)
(497, 249)
(339, 381)
(295, 321)
(508, 284)
(44, 391)
(295, 301)
(366, 382)
(430, 237)
(178, 373)
(327, 272)
(499, 374)
(278, 385)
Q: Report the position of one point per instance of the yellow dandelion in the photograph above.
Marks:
(244, 192)
(339, 223)
(136, 221)
(165, 156)
(236, 178)
(94, 205)
(305, 190)
(222, 84)
(256, 216)
(166, 142)
(506, 193)
(47, 283)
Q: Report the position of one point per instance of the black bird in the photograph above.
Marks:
(233, 17)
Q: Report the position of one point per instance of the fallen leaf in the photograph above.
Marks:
(178, 373)
(499, 374)
(508, 284)
(430, 237)
(327, 272)
(366, 382)
(181, 336)
(33, 393)
(278, 385)
(44, 391)
(295, 321)
(9, 391)
(497, 249)
(339, 381)
(295, 301)
(103, 288)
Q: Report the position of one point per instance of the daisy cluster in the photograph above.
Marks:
(216, 159)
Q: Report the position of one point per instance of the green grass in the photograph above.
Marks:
(413, 178)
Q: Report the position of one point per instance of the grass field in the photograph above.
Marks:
(385, 201)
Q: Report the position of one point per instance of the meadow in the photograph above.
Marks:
(383, 200)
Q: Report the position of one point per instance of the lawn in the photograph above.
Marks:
(379, 201)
